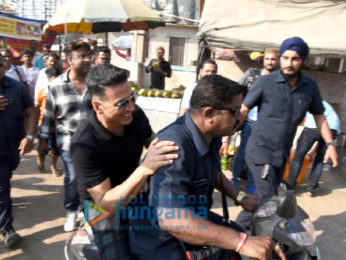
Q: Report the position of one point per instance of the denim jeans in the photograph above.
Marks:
(240, 158)
(266, 186)
(111, 237)
(71, 197)
(305, 142)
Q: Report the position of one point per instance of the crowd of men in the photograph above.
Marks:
(88, 116)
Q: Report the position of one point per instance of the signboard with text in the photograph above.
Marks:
(19, 29)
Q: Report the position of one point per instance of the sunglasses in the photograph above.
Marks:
(122, 104)
(233, 110)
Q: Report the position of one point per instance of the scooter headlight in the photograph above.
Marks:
(307, 237)
(266, 210)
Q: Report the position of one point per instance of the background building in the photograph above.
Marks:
(33, 9)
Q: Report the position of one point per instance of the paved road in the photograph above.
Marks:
(39, 214)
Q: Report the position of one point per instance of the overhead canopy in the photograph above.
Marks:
(87, 16)
(258, 24)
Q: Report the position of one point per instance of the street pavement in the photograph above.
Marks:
(39, 215)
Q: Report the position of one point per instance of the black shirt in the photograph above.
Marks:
(98, 154)
(280, 110)
(158, 79)
(12, 118)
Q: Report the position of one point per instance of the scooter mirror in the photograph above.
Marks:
(287, 207)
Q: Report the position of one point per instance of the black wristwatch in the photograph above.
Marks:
(333, 143)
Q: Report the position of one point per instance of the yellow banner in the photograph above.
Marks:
(20, 29)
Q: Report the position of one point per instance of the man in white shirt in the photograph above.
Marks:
(31, 72)
(42, 80)
(208, 67)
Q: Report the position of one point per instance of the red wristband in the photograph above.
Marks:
(242, 241)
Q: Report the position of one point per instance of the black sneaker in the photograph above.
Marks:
(11, 238)
(311, 192)
(287, 187)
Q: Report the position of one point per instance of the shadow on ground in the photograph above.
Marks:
(38, 212)
(333, 228)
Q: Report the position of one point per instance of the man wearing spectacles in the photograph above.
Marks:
(182, 221)
(68, 104)
(106, 151)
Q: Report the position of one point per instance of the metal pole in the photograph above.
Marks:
(106, 39)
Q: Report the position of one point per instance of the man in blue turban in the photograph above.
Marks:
(295, 44)
(283, 98)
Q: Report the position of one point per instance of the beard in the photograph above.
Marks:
(270, 69)
(289, 77)
(83, 70)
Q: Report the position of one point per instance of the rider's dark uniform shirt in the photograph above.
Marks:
(192, 175)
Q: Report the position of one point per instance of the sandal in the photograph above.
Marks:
(56, 171)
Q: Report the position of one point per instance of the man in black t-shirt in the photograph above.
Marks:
(106, 150)
(159, 69)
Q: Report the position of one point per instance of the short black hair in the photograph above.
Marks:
(214, 91)
(46, 46)
(208, 61)
(53, 55)
(104, 49)
(105, 75)
(52, 72)
(28, 52)
(75, 46)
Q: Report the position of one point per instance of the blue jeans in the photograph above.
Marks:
(111, 236)
(305, 142)
(240, 158)
(71, 197)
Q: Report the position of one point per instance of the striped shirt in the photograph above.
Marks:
(330, 114)
(68, 107)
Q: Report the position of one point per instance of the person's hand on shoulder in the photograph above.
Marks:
(159, 154)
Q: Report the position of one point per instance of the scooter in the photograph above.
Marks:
(81, 246)
(280, 218)
(288, 225)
